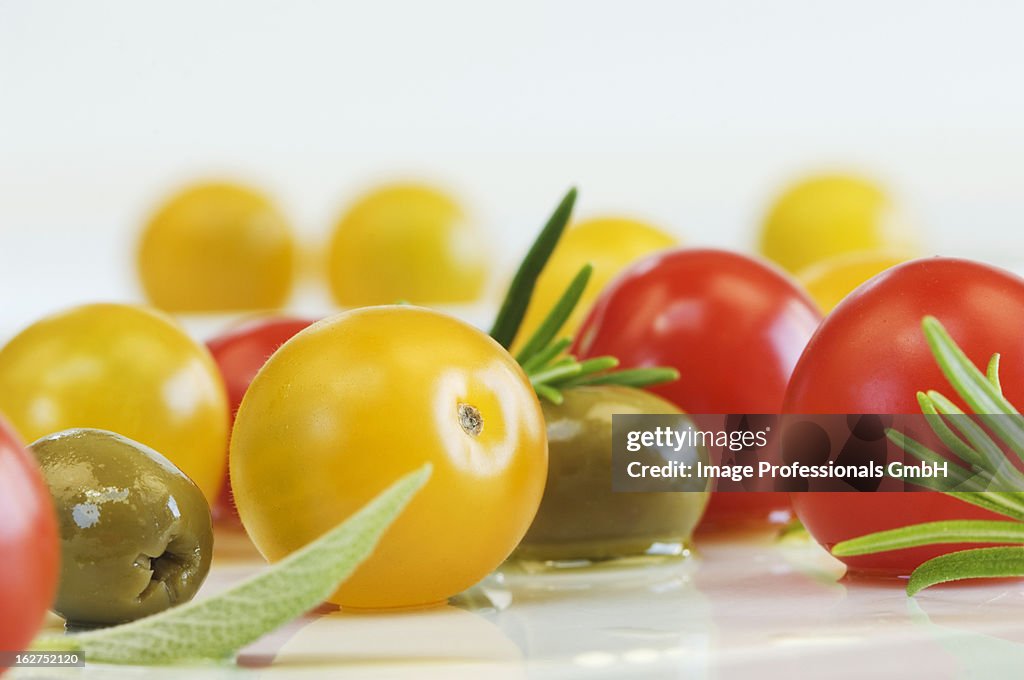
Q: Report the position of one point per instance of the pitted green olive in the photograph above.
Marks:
(580, 518)
(135, 531)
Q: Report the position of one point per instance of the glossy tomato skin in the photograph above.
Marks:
(357, 400)
(870, 356)
(28, 544)
(733, 326)
(240, 354)
(123, 368)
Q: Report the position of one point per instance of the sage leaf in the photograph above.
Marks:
(216, 628)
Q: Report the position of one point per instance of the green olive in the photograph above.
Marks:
(135, 531)
(580, 517)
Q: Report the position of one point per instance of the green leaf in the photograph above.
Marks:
(974, 387)
(958, 477)
(557, 317)
(513, 309)
(992, 372)
(1007, 503)
(991, 457)
(1001, 562)
(933, 533)
(555, 373)
(630, 377)
(541, 359)
(549, 393)
(216, 628)
(959, 448)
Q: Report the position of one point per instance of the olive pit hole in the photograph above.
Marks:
(168, 572)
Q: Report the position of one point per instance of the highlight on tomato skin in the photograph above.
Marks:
(29, 547)
(371, 394)
(147, 379)
(239, 354)
(870, 356)
(733, 326)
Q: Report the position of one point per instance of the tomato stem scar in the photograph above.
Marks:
(470, 419)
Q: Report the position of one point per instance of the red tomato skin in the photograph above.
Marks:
(870, 356)
(240, 354)
(29, 547)
(732, 325)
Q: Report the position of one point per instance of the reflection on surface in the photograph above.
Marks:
(976, 636)
(745, 608)
(625, 622)
(443, 642)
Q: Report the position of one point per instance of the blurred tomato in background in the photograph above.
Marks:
(831, 280)
(217, 246)
(406, 242)
(827, 215)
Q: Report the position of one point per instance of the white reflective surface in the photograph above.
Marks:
(741, 609)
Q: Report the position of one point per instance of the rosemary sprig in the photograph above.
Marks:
(513, 309)
(988, 478)
(543, 356)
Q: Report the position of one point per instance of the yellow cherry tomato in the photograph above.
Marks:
(831, 280)
(609, 244)
(406, 242)
(357, 400)
(829, 215)
(125, 369)
(217, 247)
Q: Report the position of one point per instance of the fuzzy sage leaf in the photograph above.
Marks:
(216, 628)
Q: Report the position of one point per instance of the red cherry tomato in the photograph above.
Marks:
(29, 549)
(733, 326)
(870, 356)
(240, 354)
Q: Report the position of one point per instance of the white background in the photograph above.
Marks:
(690, 114)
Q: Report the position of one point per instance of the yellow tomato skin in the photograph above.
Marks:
(406, 242)
(609, 244)
(831, 280)
(217, 247)
(355, 401)
(121, 368)
(828, 215)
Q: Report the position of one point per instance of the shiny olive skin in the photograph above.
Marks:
(135, 532)
(580, 518)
